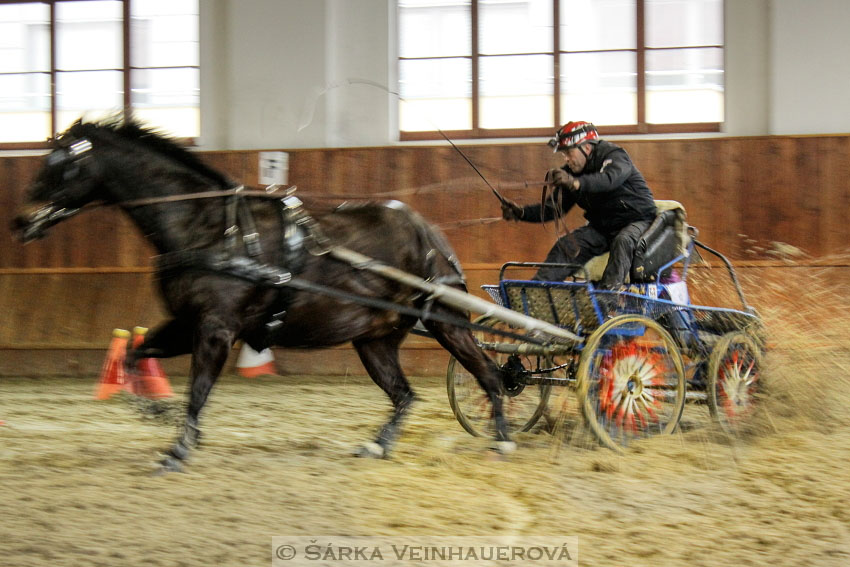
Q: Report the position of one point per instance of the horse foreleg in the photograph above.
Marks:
(172, 338)
(461, 344)
(381, 360)
(212, 344)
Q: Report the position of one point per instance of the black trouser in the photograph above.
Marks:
(584, 243)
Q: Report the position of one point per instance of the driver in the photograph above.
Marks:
(599, 177)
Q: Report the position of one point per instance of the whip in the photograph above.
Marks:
(481, 175)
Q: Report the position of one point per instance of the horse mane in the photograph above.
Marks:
(154, 140)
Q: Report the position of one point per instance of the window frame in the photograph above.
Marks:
(126, 70)
(640, 52)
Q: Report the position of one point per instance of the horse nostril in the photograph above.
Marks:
(24, 226)
(18, 223)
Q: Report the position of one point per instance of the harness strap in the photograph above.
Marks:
(231, 227)
(250, 236)
(425, 315)
(321, 244)
(223, 264)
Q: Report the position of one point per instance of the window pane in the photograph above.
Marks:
(435, 93)
(683, 23)
(516, 92)
(434, 28)
(164, 33)
(93, 93)
(588, 25)
(25, 91)
(24, 107)
(24, 38)
(599, 88)
(165, 87)
(515, 27)
(168, 98)
(684, 85)
(183, 122)
(89, 35)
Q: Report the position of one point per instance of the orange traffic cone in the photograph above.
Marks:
(151, 381)
(112, 376)
(251, 363)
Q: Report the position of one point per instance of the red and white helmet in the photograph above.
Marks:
(573, 134)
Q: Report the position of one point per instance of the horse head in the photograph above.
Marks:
(69, 179)
(114, 161)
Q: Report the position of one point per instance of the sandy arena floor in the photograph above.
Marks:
(75, 486)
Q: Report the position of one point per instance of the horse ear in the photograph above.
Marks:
(75, 129)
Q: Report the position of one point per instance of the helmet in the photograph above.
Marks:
(573, 134)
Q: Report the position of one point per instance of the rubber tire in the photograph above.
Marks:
(457, 377)
(584, 380)
(718, 354)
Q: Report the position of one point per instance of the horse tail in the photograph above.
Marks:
(435, 243)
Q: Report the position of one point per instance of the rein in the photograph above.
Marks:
(238, 190)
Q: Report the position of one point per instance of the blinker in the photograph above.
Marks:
(80, 147)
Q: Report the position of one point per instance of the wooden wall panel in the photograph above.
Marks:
(742, 193)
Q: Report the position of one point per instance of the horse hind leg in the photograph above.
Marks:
(380, 357)
(213, 341)
(461, 344)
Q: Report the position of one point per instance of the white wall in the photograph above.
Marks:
(311, 73)
(358, 103)
(294, 73)
(269, 56)
(747, 68)
(810, 79)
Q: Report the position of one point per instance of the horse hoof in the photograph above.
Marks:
(505, 447)
(370, 450)
(167, 465)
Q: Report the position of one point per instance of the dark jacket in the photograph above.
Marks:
(613, 193)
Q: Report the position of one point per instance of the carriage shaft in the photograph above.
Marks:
(454, 297)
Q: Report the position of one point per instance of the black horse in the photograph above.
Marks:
(225, 258)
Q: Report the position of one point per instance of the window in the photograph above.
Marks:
(492, 68)
(63, 59)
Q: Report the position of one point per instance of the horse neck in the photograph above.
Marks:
(171, 224)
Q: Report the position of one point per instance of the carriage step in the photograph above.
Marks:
(696, 397)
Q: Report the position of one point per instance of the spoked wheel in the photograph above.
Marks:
(734, 380)
(523, 404)
(631, 381)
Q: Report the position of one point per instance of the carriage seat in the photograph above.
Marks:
(665, 239)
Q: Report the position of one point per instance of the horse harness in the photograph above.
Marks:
(300, 232)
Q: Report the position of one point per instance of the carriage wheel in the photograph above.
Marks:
(631, 381)
(523, 405)
(734, 380)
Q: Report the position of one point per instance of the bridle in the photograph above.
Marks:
(70, 160)
(75, 154)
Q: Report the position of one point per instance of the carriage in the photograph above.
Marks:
(234, 264)
(646, 348)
